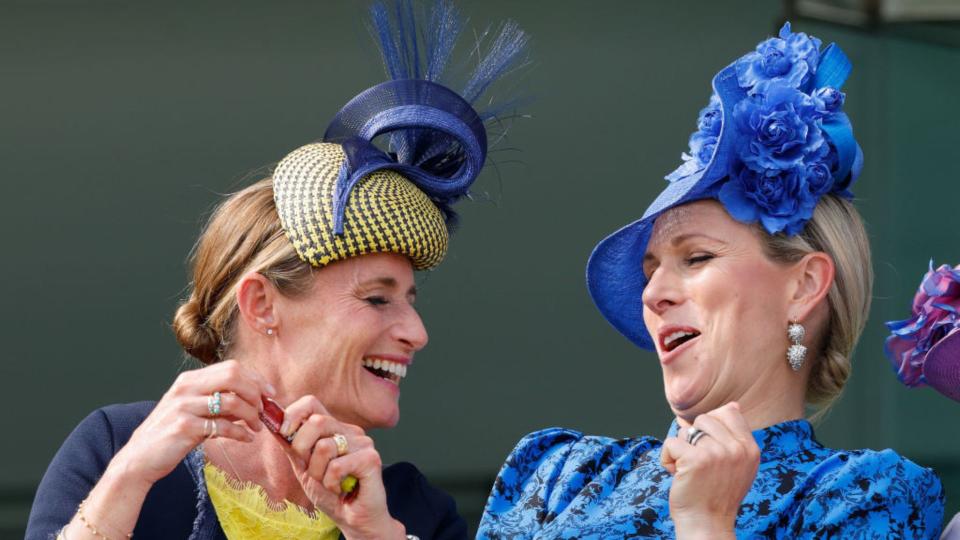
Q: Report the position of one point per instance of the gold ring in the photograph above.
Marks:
(342, 447)
(213, 433)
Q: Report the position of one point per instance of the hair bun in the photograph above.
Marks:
(194, 336)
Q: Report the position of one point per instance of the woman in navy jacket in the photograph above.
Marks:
(303, 291)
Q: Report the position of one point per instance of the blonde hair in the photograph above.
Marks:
(837, 230)
(243, 235)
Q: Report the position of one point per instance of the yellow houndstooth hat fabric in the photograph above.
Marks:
(385, 212)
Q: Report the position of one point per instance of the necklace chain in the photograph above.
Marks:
(223, 450)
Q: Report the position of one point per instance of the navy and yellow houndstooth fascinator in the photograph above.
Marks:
(347, 196)
(773, 140)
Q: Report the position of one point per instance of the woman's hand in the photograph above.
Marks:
(182, 420)
(315, 458)
(712, 476)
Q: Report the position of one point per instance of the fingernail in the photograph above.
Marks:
(285, 428)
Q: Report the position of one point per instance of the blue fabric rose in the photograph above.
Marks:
(702, 142)
(711, 117)
(791, 59)
(779, 127)
(702, 146)
(779, 199)
(829, 99)
(819, 178)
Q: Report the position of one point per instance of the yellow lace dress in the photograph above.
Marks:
(245, 512)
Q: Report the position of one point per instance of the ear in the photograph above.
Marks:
(256, 297)
(813, 279)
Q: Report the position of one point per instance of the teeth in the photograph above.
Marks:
(675, 336)
(396, 368)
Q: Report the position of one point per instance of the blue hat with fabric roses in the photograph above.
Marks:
(773, 140)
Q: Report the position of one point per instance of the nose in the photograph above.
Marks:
(663, 290)
(410, 330)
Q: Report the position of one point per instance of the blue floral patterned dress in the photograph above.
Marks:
(558, 483)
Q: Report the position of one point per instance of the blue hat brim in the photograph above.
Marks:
(615, 276)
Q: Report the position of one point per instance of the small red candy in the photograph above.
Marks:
(271, 415)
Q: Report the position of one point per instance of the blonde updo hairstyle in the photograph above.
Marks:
(837, 230)
(243, 235)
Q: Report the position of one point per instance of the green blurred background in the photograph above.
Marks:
(122, 122)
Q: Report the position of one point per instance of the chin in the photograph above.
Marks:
(390, 422)
(684, 402)
(383, 421)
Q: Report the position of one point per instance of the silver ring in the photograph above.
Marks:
(213, 404)
(342, 446)
(214, 433)
(694, 435)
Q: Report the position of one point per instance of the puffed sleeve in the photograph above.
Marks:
(523, 495)
(871, 495)
(544, 474)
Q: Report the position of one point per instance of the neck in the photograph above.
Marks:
(771, 399)
(262, 462)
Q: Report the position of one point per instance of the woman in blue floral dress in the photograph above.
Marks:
(750, 277)
(924, 349)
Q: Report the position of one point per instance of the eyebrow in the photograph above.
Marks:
(679, 239)
(387, 282)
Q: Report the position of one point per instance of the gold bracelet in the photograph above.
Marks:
(89, 526)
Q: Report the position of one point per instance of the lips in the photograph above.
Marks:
(672, 337)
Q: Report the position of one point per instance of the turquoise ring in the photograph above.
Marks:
(213, 404)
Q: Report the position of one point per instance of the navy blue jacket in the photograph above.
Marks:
(177, 506)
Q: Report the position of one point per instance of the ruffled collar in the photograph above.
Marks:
(778, 440)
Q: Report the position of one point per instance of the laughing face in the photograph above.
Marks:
(351, 339)
(716, 307)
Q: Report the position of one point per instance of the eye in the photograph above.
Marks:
(698, 259)
(649, 267)
(377, 300)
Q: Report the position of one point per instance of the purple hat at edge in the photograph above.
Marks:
(771, 142)
(925, 349)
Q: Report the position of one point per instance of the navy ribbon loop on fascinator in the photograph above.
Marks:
(436, 140)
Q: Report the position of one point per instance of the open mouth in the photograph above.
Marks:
(386, 369)
(677, 338)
